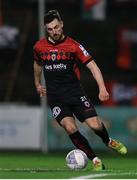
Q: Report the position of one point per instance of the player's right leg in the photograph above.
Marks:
(63, 114)
(81, 142)
(83, 110)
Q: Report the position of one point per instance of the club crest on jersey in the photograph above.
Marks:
(53, 57)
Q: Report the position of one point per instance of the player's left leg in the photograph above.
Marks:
(117, 146)
(98, 127)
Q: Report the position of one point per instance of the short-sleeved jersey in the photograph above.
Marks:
(60, 68)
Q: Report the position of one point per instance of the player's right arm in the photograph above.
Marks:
(37, 79)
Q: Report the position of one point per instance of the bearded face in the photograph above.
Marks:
(55, 30)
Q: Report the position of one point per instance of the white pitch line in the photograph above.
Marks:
(30, 169)
(92, 176)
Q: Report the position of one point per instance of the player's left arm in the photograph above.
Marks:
(94, 69)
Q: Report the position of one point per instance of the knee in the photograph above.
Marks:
(97, 125)
(70, 127)
(94, 123)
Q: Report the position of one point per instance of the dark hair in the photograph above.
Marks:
(51, 15)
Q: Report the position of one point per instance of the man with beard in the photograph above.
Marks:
(57, 55)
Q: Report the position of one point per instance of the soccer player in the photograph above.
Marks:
(58, 54)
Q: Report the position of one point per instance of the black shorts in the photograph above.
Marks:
(79, 106)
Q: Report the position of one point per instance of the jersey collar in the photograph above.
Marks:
(56, 43)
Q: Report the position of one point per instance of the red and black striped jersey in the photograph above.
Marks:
(59, 63)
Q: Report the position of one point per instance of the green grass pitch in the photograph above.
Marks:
(36, 165)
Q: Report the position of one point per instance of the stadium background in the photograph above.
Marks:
(108, 29)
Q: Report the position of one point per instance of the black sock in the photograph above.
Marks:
(103, 134)
(81, 143)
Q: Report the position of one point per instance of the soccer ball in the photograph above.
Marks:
(76, 159)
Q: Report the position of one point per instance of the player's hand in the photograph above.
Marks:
(103, 95)
(41, 90)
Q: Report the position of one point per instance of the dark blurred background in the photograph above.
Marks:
(106, 28)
